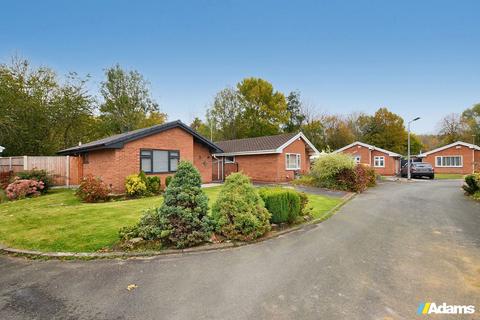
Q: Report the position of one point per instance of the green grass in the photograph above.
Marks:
(58, 221)
(448, 176)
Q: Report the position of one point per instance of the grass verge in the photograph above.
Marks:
(59, 222)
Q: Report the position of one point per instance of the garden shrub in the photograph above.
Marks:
(472, 183)
(92, 189)
(283, 204)
(371, 176)
(356, 180)
(153, 185)
(135, 186)
(304, 210)
(476, 196)
(168, 180)
(38, 175)
(329, 166)
(182, 220)
(239, 212)
(22, 188)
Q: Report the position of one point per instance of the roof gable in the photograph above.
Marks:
(451, 145)
(262, 145)
(368, 146)
(117, 141)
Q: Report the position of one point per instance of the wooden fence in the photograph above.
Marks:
(62, 169)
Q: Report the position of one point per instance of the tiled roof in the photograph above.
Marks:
(117, 141)
(265, 143)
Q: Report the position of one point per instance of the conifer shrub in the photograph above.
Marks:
(283, 204)
(239, 212)
(182, 220)
(168, 180)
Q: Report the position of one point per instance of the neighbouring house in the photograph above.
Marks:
(275, 158)
(384, 162)
(155, 150)
(458, 157)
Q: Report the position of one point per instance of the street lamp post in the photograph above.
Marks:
(408, 151)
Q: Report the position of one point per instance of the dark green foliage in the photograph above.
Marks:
(472, 183)
(38, 175)
(153, 185)
(239, 212)
(283, 204)
(168, 180)
(182, 219)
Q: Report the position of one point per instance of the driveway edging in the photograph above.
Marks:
(129, 254)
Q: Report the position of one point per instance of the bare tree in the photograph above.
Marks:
(452, 128)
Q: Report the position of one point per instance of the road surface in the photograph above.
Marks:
(382, 254)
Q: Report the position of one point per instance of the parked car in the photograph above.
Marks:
(418, 170)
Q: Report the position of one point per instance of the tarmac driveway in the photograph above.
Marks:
(382, 254)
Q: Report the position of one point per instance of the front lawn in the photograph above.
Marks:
(58, 221)
(441, 176)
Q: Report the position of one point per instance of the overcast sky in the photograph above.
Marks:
(418, 58)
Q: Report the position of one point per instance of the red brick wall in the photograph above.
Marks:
(297, 146)
(202, 160)
(270, 167)
(116, 164)
(362, 151)
(102, 164)
(261, 167)
(465, 152)
(368, 158)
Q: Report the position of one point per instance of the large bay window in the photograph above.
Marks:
(159, 161)
(449, 161)
(293, 161)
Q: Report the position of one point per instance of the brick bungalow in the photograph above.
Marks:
(155, 150)
(275, 158)
(384, 162)
(458, 157)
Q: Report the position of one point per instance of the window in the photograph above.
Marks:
(379, 161)
(159, 161)
(357, 158)
(292, 161)
(449, 161)
(229, 159)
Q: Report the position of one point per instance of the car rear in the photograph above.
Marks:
(422, 169)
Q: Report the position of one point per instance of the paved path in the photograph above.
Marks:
(381, 255)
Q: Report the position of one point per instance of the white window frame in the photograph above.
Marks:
(298, 161)
(228, 161)
(448, 166)
(359, 157)
(380, 159)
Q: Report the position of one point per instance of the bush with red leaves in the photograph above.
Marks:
(92, 189)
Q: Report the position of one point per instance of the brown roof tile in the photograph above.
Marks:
(255, 144)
